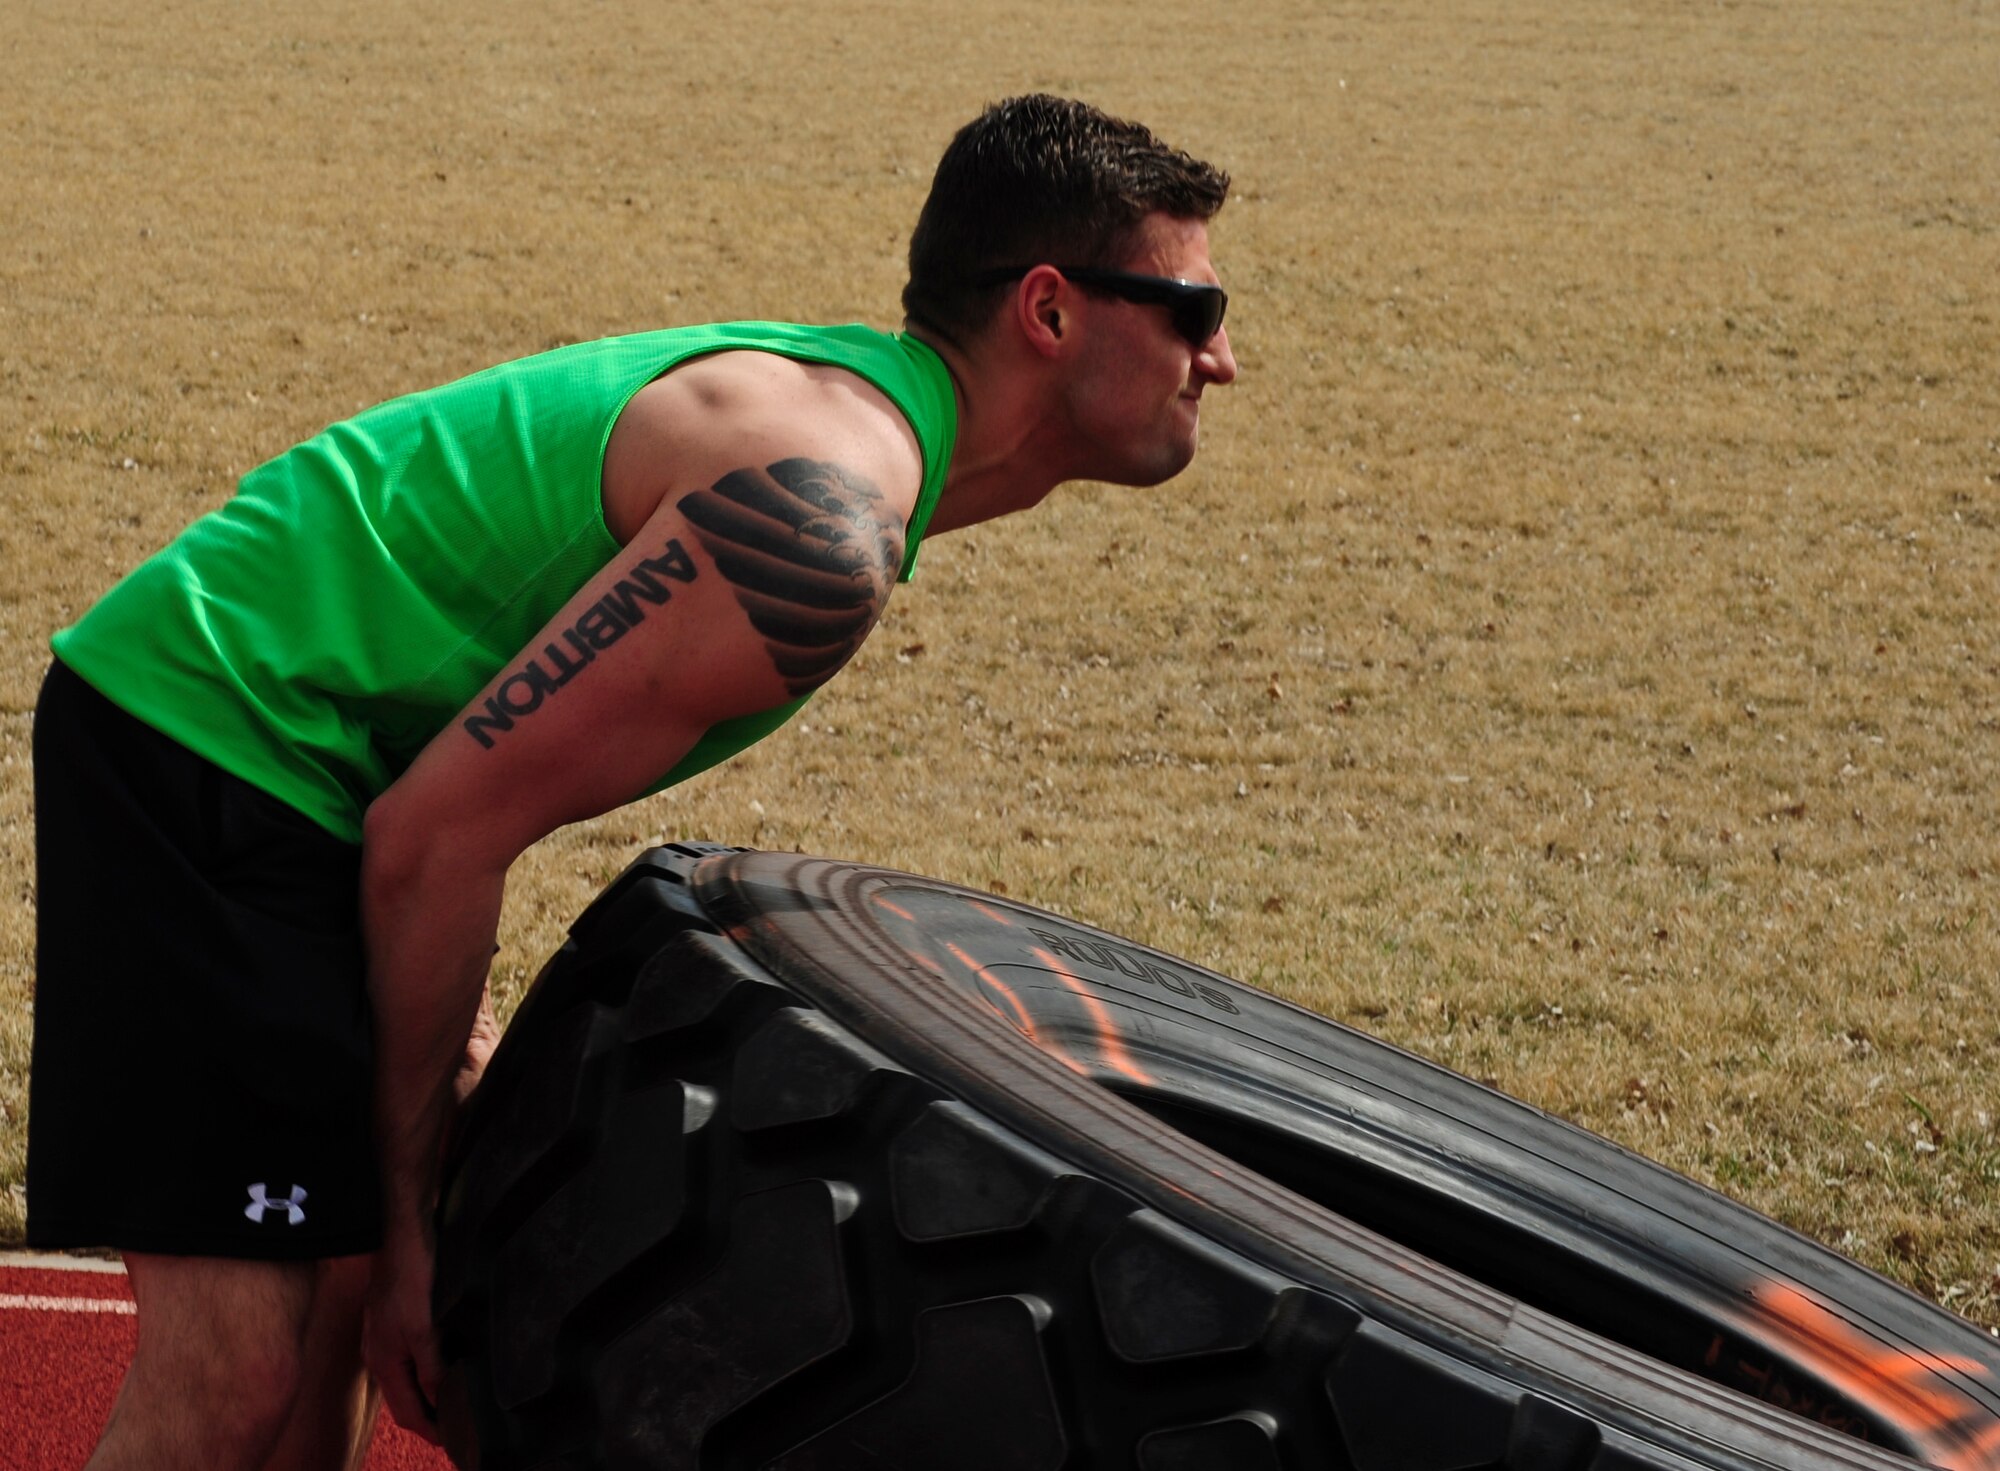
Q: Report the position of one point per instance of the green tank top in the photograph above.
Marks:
(312, 634)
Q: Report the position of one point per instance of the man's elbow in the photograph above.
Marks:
(407, 843)
(393, 849)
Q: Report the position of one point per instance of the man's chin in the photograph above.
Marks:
(1157, 472)
(1181, 460)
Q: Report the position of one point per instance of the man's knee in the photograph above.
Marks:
(247, 1399)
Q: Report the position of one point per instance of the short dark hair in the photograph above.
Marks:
(1041, 179)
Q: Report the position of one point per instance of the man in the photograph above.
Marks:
(315, 731)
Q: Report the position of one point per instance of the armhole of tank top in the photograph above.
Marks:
(611, 423)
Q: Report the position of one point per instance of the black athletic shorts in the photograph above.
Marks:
(202, 1059)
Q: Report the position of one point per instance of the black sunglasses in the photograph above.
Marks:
(1197, 309)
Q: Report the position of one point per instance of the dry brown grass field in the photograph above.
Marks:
(1573, 656)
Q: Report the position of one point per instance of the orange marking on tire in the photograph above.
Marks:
(1024, 1020)
(896, 909)
(991, 913)
(1908, 1389)
(987, 978)
(1111, 1045)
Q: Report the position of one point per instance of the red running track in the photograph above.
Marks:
(66, 1335)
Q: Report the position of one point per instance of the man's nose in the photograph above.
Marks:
(1215, 361)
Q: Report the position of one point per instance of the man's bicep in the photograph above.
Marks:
(730, 600)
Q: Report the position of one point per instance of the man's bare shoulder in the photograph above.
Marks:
(718, 413)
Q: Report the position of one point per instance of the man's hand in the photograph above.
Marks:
(398, 1341)
(478, 1051)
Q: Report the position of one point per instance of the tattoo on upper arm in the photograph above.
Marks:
(600, 626)
(811, 549)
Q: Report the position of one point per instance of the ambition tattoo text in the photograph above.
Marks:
(602, 624)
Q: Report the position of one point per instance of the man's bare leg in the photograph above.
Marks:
(217, 1368)
(334, 1412)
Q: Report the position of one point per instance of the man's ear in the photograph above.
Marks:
(1041, 311)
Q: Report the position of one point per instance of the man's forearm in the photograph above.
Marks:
(429, 923)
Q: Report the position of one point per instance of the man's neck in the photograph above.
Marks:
(1005, 458)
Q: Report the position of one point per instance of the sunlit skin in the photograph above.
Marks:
(1136, 394)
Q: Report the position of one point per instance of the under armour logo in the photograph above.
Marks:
(292, 1205)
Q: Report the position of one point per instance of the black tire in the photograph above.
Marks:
(800, 1165)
